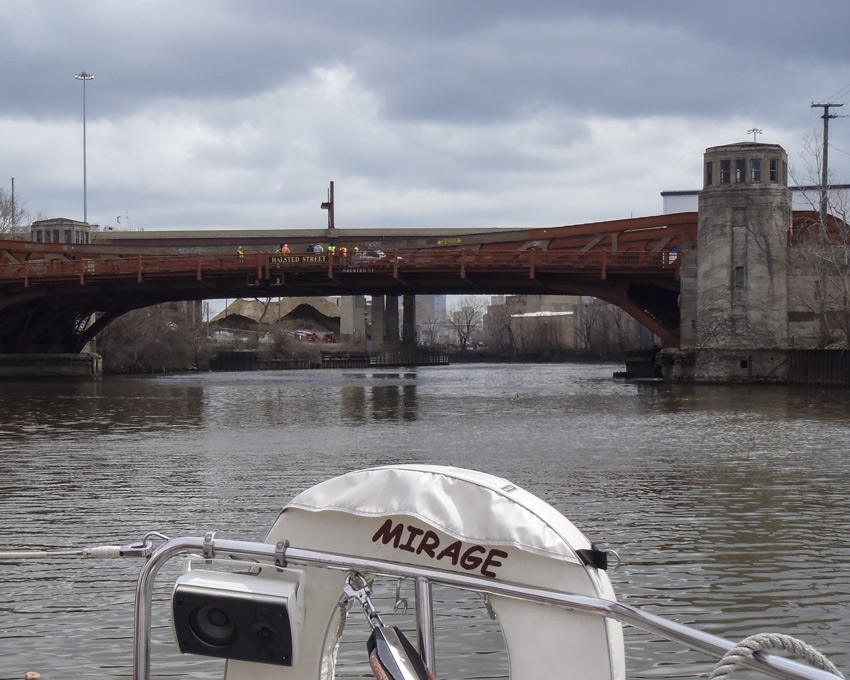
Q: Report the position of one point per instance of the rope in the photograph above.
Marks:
(746, 649)
(142, 548)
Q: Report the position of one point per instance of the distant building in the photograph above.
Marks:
(431, 316)
(566, 324)
(60, 230)
(430, 307)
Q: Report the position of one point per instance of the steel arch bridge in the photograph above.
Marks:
(54, 298)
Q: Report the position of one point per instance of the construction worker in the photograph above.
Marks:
(284, 249)
(240, 255)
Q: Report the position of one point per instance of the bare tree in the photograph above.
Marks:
(429, 331)
(266, 304)
(589, 322)
(465, 321)
(154, 339)
(821, 254)
(497, 323)
(621, 326)
(13, 217)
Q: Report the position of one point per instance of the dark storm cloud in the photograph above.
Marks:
(685, 61)
(223, 113)
(442, 60)
(183, 49)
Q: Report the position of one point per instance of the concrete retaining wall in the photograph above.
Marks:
(50, 365)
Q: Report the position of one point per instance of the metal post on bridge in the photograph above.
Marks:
(329, 206)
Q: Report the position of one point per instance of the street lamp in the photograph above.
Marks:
(82, 75)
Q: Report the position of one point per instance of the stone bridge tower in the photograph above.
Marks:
(741, 330)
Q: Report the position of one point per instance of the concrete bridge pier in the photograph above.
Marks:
(734, 295)
(391, 320)
(385, 324)
(408, 328)
(379, 322)
(352, 318)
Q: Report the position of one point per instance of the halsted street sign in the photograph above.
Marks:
(299, 259)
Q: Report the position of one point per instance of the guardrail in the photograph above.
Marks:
(267, 265)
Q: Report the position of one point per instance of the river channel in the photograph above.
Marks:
(728, 506)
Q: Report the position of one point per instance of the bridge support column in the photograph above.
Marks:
(408, 329)
(391, 320)
(379, 322)
(742, 301)
(352, 318)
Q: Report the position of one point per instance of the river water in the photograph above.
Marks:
(728, 505)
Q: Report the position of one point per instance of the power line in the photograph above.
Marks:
(841, 93)
(839, 150)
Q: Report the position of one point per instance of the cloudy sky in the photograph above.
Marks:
(220, 114)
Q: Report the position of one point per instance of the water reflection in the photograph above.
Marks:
(48, 408)
(379, 397)
(727, 504)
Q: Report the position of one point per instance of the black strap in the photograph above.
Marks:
(594, 557)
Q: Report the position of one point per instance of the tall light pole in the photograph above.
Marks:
(82, 75)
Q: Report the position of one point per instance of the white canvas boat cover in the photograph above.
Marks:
(456, 520)
(451, 499)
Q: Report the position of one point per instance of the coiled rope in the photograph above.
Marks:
(747, 648)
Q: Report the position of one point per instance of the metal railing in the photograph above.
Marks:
(262, 266)
(284, 554)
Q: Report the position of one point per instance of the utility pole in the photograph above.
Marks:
(329, 206)
(824, 181)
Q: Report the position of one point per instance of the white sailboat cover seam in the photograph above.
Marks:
(520, 519)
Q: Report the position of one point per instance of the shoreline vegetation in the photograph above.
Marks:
(167, 339)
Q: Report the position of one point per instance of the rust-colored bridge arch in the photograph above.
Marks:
(50, 292)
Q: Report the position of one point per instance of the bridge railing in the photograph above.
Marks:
(567, 259)
(264, 265)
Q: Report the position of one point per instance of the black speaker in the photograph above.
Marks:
(212, 618)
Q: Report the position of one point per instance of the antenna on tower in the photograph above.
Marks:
(754, 131)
